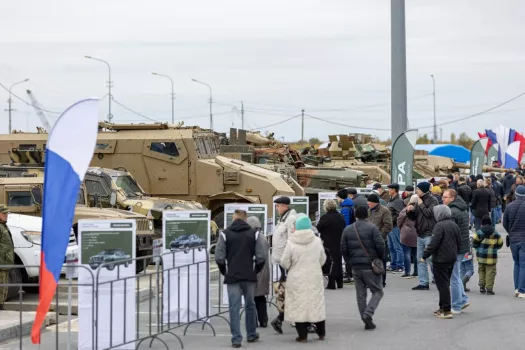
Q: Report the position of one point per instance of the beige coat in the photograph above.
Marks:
(303, 257)
(282, 231)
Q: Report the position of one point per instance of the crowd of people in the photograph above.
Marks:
(429, 232)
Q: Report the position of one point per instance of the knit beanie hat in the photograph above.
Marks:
(343, 194)
(436, 190)
(303, 223)
(486, 220)
(414, 198)
(424, 186)
(373, 198)
(520, 191)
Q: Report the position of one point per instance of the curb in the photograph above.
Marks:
(13, 330)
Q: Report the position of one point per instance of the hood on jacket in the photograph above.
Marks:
(239, 226)
(302, 237)
(347, 203)
(459, 203)
(488, 230)
(442, 212)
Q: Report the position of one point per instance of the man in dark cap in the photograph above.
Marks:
(380, 191)
(395, 205)
(409, 191)
(380, 216)
(425, 221)
(283, 229)
(347, 206)
(358, 199)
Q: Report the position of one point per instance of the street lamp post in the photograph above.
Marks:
(110, 97)
(211, 101)
(172, 96)
(434, 100)
(10, 101)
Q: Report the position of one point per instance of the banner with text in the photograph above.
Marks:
(107, 248)
(299, 203)
(258, 210)
(403, 159)
(477, 156)
(186, 239)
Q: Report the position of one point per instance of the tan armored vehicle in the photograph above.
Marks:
(173, 162)
(23, 195)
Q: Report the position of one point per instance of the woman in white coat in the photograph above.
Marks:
(304, 257)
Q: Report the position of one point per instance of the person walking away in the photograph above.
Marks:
(487, 243)
(304, 257)
(283, 230)
(464, 191)
(330, 227)
(395, 205)
(493, 199)
(240, 254)
(380, 191)
(358, 199)
(347, 206)
(507, 183)
(443, 248)
(380, 216)
(425, 221)
(408, 236)
(498, 190)
(361, 243)
(459, 211)
(7, 254)
(262, 288)
(481, 203)
(436, 192)
(514, 224)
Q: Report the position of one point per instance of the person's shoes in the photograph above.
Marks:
(369, 324)
(254, 339)
(490, 292)
(321, 337)
(433, 281)
(277, 325)
(263, 324)
(455, 312)
(421, 287)
(521, 295)
(467, 290)
(414, 274)
(340, 286)
(348, 281)
(331, 287)
(301, 340)
(438, 312)
(482, 290)
(236, 346)
(516, 293)
(406, 276)
(399, 270)
(466, 305)
(312, 328)
(2, 306)
(389, 269)
(446, 315)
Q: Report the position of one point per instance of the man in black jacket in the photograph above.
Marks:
(481, 203)
(238, 248)
(443, 248)
(353, 252)
(459, 210)
(464, 191)
(514, 224)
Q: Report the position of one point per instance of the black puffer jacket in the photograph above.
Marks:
(507, 183)
(465, 192)
(445, 242)
(395, 205)
(460, 216)
(360, 201)
(425, 216)
(514, 220)
(372, 240)
(481, 202)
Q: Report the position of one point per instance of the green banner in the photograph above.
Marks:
(403, 159)
(493, 154)
(477, 156)
(300, 204)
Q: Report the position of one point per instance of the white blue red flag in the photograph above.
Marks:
(511, 156)
(69, 150)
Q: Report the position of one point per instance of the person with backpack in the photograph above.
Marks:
(487, 243)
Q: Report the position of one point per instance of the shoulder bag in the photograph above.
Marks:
(377, 264)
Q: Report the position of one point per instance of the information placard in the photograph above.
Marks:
(107, 249)
(299, 203)
(258, 210)
(186, 240)
(323, 196)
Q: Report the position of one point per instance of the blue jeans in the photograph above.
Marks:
(407, 259)
(396, 252)
(518, 255)
(422, 267)
(467, 268)
(459, 297)
(235, 293)
(495, 215)
(471, 217)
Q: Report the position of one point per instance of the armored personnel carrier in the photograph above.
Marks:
(173, 162)
(23, 195)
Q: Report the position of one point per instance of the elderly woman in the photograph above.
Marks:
(304, 257)
(263, 280)
(330, 227)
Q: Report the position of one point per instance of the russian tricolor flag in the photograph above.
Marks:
(70, 147)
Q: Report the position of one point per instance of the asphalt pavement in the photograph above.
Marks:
(404, 321)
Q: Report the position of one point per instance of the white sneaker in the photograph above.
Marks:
(521, 296)
(516, 293)
(454, 312)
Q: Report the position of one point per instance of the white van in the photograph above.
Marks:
(26, 232)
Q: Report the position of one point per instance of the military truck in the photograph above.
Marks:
(172, 162)
(23, 195)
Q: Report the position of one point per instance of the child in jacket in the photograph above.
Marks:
(487, 242)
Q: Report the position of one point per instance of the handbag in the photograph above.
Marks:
(377, 264)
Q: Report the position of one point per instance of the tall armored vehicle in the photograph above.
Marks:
(172, 162)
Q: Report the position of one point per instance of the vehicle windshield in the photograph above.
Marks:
(128, 185)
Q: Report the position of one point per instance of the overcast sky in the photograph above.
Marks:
(276, 56)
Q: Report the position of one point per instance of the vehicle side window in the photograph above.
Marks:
(168, 148)
(95, 187)
(19, 199)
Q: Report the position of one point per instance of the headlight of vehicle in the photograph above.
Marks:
(150, 225)
(32, 237)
